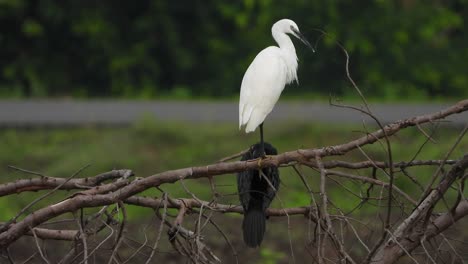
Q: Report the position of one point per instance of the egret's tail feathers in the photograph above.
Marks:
(245, 116)
(241, 115)
(256, 118)
(253, 227)
(249, 129)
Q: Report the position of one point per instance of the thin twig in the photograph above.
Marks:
(436, 173)
(36, 239)
(82, 234)
(161, 226)
(120, 234)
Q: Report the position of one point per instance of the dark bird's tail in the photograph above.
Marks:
(253, 227)
(256, 191)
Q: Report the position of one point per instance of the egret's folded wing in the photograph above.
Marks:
(261, 87)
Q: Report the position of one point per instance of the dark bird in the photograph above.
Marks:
(256, 194)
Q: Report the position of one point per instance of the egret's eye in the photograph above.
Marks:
(294, 29)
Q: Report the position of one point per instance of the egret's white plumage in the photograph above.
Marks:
(267, 75)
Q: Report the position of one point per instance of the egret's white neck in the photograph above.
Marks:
(288, 52)
(284, 42)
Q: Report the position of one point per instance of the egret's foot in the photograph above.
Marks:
(263, 157)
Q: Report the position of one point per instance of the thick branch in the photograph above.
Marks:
(44, 233)
(47, 183)
(44, 183)
(54, 234)
(222, 208)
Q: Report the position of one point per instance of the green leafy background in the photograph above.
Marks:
(405, 49)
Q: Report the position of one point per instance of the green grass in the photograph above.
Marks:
(150, 147)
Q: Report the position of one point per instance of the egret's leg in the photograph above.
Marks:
(261, 141)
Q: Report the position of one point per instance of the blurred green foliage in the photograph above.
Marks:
(188, 49)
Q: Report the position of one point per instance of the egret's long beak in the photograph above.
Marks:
(301, 37)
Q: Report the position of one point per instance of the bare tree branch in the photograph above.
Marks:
(45, 183)
(417, 228)
(410, 232)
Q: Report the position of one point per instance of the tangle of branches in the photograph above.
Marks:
(94, 223)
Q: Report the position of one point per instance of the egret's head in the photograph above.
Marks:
(290, 27)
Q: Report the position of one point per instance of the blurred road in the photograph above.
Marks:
(28, 113)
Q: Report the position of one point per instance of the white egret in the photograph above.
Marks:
(266, 77)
